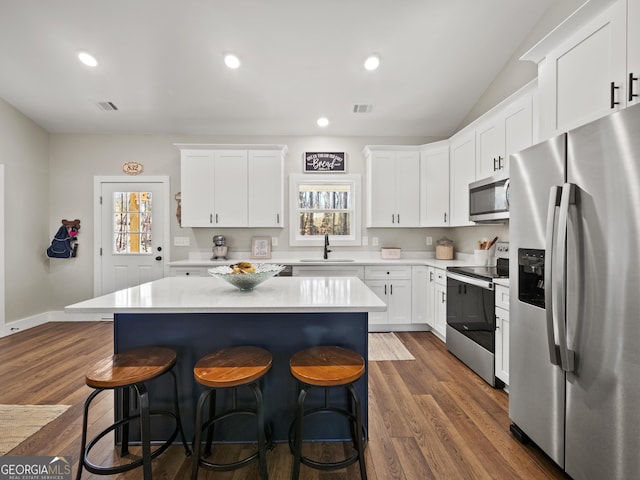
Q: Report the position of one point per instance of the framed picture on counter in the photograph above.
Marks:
(261, 247)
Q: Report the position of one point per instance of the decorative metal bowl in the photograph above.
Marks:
(247, 281)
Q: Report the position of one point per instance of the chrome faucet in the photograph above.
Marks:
(326, 244)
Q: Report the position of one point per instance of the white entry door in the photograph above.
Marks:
(132, 233)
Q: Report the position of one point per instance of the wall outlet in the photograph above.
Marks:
(365, 241)
(375, 241)
(181, 241)
(429, 241)
(274, 241)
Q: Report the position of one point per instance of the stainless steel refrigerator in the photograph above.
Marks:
(575, 297)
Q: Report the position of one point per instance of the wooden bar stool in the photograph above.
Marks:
(231, 368)
(327, 366)
(128, 372)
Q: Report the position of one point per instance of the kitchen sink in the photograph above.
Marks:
(330, 260)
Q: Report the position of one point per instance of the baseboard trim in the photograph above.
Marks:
(53, 316)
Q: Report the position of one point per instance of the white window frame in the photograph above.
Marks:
(355, 183)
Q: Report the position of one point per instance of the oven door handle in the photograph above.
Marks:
(471, 280)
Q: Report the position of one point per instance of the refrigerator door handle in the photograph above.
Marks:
(560, 288)
(554, 202)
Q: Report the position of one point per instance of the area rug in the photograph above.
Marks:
(386, 346)
(19, 422)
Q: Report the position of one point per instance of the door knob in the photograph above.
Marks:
(158, 258)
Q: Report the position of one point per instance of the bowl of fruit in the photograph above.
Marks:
(246, 275)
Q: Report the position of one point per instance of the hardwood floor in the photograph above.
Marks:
(429, 418)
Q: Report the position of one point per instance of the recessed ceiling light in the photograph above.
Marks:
(88, 59)
(372, 62)
(231, 61)
(322, 121)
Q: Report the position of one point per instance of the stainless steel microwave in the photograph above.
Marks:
(489, 199)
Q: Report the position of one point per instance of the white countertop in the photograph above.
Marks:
(211, 295)
(203, 259)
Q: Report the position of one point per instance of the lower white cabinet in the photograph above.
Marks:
(393, 285)
(440, 304)
(502, 333)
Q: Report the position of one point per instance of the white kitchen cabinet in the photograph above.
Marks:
(393, 285)
(188, 271)
(393, 187)
(231, 187)
(584, 76)
(434, 185)
(440, 304)
(214, 188)
(266, 190)
(502, 333)
(430, 298)
(633, 52)
(419, 295)
(506, 131)
(463, 172)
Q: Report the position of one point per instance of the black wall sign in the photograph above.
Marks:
(324, 162)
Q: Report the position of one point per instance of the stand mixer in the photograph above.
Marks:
(219, 247)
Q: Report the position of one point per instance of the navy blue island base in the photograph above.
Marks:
(194, 335)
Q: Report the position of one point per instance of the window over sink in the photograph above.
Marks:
(324, 203)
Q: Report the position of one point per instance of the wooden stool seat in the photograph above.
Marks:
(327, 366)
(233, 366)
(128, 368)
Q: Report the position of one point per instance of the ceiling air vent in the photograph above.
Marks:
(362, 108)
(107, 106)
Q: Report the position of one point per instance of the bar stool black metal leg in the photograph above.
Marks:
(297, 438)
(83, 441)
(145, 429)
(126, 411)
(176, 408)
(262, 440)
(358, 437)
(197, 442)
(212, 413)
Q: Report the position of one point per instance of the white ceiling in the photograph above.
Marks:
(160, 63)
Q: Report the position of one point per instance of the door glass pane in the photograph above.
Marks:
(132, 223)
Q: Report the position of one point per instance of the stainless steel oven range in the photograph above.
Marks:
(471, 320)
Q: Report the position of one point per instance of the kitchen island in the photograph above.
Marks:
(198, 315)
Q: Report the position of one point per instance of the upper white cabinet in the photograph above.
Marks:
(231, 187)
(393, 187)
(266, 203)
(434, 185)
(587, 67)
(508, 130)
(463, 172)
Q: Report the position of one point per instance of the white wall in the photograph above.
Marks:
(24, 152)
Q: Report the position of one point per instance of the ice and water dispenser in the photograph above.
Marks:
(531, 276)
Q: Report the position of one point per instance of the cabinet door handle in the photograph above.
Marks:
(500, 162)
(277, 218)
(614, 87)
(216, 218)
(431, 276)
(393, 218)
(211, 218)
(385, 289)
(445, 217)
(631, 80)
(391, 289)
(442, 297)
(496, 164)
(398, 219)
